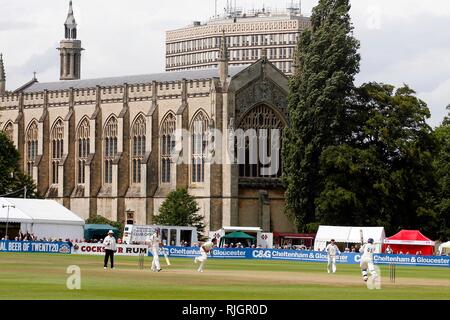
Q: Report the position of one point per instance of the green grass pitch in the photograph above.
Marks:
(43, 277)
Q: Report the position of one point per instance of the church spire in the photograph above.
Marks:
(223, 59)
(70, 24)
(70, 50)
(2, 76)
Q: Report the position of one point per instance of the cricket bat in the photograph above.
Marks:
(166, 257)
(362, 236)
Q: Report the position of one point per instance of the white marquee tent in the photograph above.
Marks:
(348, 235)
(43, 218)
(444, 248)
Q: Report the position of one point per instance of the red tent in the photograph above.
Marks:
(410, 241)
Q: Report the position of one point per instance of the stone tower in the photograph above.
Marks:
(70, 50)
(2, 77)
(223, 59)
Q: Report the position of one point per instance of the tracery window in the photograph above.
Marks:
(57, 149)
(83, 145)
(199, 132)
(110, 148)
(261, 121)
(137, 148)
(167, 145)
(32, 146)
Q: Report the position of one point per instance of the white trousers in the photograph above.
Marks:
(331, 267)
(155, 262)
(367, 264)
(203, 257)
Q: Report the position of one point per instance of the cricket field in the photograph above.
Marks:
(44, 277)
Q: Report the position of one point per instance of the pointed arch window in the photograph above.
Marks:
(260, 117)
(110, 148)
(167, 145)
(199, 132)
(83, 146)
(32, 146)
(57, 146)
(137, 148)
(9, 131)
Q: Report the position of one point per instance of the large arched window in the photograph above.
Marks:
(57, 145)
(167, 145)
(260, 122)
(32, 146)
(199, 132)
(137, 148)
(110, 148)
(9, 130)
(83, 145)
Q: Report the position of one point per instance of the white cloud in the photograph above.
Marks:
(437, 100)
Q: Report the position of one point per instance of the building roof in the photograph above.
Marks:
(70, 21)
(348, 234)
(136, 79)
(37, 211)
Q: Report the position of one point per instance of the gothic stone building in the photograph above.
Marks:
(103, 146)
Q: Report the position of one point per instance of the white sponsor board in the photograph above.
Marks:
(99, 249)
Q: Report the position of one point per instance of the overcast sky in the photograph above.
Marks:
(402, 41)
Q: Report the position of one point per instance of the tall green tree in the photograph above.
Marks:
(384, 174)
(328, 60)
(442, 169)
(180, 209)
(12, 180)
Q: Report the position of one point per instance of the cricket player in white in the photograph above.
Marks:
(366, 263)
(204, 250)
(154, 242)
(332, 249)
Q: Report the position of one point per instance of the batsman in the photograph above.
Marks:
(366, 263)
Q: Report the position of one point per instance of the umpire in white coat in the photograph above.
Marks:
(110, 247)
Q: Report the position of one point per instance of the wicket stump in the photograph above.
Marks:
(141, 260)
(392, 272)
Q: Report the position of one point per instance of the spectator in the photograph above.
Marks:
(69, 243)
(389, 250)
(347, 249)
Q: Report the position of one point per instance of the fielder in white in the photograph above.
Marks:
(204, 250)
(332, 249)
(366, 263)
(153, 242)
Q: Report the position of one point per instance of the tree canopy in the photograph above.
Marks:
(328, 60)
(442, 168)
(180, 209)
(383, 175)
(359, 155)
(12, 180)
